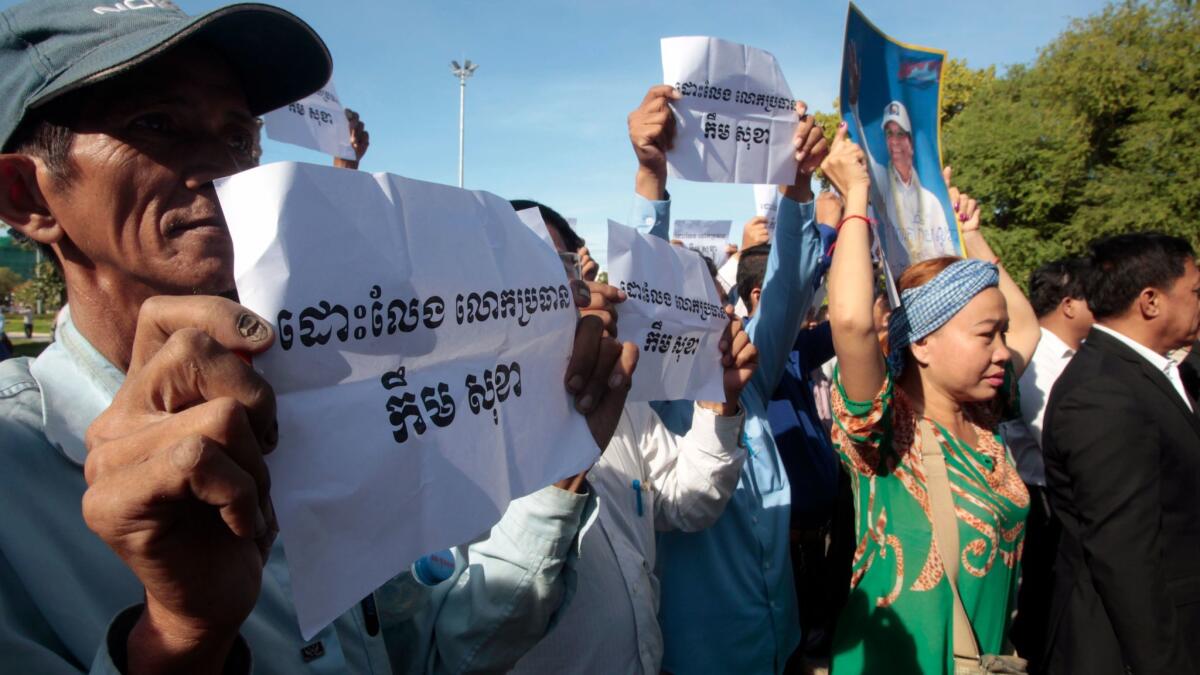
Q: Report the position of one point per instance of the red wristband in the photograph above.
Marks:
(852, 217)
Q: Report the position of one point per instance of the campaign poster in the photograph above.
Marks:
(891, 100)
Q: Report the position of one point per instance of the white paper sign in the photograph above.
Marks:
(706, 237)
(766, 204)
(672, 314)
(532, 217)
(317, 122)
(423, 337)
(735, 121)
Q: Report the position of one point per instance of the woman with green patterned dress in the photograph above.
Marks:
(962, 336)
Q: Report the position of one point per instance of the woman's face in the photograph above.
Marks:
(965, 358)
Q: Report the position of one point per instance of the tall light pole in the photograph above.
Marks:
(462, 73)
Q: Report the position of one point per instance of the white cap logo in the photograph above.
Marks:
(896, 112)
(128, 5)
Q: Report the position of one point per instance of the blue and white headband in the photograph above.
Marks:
(927, 307)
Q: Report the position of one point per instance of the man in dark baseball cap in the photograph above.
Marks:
(116, 118)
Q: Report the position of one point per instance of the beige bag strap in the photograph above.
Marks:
(945, 533)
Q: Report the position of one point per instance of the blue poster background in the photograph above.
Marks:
(894, 71)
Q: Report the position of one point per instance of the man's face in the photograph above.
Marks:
(140, 206)
(900, 147)
(1181, 307)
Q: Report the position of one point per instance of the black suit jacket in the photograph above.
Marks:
(1122, 453)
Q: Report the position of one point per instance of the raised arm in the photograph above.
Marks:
(787, 289)
(1023, 330)
(651, 133)
(851, 276)
(359, 141)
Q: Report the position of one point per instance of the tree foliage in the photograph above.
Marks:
(9, 280)
(1100, 135)
(46, 286)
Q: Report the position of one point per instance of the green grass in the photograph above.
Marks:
(14, 324)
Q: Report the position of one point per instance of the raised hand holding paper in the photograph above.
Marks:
(766, 203)
(317, 122)
(735, 120)
(672, 314)
(706, 237)
(421, 327)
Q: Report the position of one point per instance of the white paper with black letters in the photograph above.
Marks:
(423, 333)
(766, 204)
(672, 315)
(706, 237)
(317, 121)
(735, 120)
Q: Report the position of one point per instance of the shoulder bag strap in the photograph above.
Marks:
(945, 533)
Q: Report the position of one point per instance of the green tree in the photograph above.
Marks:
(8, 281)
(45, 291)
(1100, 135)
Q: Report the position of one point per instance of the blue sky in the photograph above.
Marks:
(546, 109)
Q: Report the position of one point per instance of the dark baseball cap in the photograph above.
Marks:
(49, 48)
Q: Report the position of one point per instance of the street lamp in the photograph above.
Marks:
(462, 73)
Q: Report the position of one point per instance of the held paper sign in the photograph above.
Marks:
(423, 335)
(317, 122)
(532, 217)
(735, 121)
(672, 314)
(766, 204)
(706, 237)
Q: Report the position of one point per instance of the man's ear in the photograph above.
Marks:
(755, 296)
(1149, 302)
(1067, 306)
(22, 205)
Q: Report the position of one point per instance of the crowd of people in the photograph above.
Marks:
(972, 480)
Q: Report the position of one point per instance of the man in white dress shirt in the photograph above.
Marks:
(647, 480)
(1056, 291)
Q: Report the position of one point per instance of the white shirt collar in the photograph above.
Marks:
(1054, 345)
(1157, 360)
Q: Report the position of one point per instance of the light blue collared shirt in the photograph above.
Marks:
(65, 597)
(728, 599)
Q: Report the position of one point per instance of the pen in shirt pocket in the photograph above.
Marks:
(637, 491)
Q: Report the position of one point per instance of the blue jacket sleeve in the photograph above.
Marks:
(655, 215)
(787, 292)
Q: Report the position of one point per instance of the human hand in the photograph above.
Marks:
(602, 304)
(588, 265)
(652, 133)
(177, 485)
(846, 165)
(731, 250)
(740, 359)
(965, 209)
(810, 146)
(599, 375)
(755, 232)
(360, 140)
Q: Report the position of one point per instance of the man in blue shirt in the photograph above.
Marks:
(116, 120)
(728, 600)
